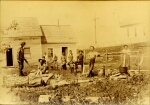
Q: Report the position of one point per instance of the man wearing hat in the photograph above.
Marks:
(21, 58)
(91, 57)
(80, 59)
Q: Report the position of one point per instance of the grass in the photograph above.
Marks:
(110, 92)
(116, 92)
(124, 92)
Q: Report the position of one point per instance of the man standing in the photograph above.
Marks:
(80, 61)
(21, 58)
(91, 57)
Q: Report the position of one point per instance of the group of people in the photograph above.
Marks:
(43, 62)
(73, 65)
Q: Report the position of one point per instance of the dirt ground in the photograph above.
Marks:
(102, 89)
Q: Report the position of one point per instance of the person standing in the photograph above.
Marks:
(63, 61)
(91, 57)
(80, 61)
(21, 58)
(139, 60)
(71, 62)
(70, 56)
(126, 57)
(54, 62)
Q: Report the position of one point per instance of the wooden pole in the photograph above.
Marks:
(95, 31)
(106, 56)
(83, 63)
(139, 61)
(106, 62)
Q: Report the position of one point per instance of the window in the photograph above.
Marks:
(50, 53)
(27, 52)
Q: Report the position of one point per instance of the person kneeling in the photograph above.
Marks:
(42, 66)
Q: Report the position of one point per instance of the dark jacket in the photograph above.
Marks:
(20, 54)
(80, 58)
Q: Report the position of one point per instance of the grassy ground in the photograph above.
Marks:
(117, 92)
(125, 92)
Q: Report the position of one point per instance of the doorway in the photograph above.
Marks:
(65, 50)
(9, 57)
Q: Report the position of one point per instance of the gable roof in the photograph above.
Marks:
(58, 34)
(25, 26)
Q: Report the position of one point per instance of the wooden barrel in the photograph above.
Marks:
(123, 70)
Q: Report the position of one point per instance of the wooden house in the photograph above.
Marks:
(57, 39)
(50, 39)
(27, 30)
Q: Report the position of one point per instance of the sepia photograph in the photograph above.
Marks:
(75, 52)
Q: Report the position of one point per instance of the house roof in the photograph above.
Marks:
(58, 34)
(25, 26)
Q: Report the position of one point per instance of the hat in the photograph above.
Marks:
(39, 60)
(80, 51)
(22, 43)
(43, 56)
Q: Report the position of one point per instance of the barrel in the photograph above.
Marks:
(123, 70)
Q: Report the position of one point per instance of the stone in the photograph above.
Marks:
(92, 99)
(44, 98)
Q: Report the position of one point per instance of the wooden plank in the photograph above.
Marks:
(140, 70)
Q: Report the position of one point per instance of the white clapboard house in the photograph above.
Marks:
(39, 39)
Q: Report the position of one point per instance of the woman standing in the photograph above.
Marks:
(63, 61)
(71, 62)
(126, 57)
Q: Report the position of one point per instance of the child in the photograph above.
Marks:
(39, 72)
(139, 60)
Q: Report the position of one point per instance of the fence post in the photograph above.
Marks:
(138, 61)
(106, 56)
(83, 71)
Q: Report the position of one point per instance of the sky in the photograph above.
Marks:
(80, 15)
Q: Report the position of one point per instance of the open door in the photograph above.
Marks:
(9, 57)
(65, 50)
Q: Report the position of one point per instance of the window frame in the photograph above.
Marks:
(48, 52)
(28, 53)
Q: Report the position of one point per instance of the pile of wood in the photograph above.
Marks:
(30, 80)
(11, 80)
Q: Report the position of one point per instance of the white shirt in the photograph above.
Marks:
(46, 58)
(92, 55)
(126, 51)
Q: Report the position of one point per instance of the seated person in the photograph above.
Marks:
(54, 62)
(80, 61)
(71, 66)
(40, 67)
(44, 60)
(71, 62)
(43, 65)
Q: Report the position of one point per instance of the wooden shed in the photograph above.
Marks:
(22, 29)
(57, 39)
